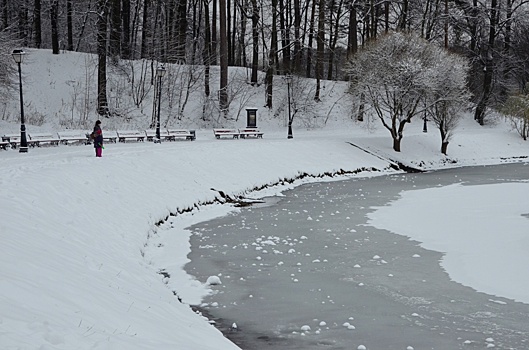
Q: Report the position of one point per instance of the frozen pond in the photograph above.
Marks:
(307, 272)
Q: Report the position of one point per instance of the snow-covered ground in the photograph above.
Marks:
(79, 265)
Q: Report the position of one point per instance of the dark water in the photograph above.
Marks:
(310, 259)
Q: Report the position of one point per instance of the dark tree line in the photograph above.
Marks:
(310, 38)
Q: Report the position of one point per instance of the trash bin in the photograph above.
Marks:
(251, 117)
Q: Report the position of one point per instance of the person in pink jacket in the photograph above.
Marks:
(97, 136)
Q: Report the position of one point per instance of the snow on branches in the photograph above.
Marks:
(400, 76)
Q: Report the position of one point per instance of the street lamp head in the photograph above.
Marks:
(160, 71)
(288, 78)
(18, 55)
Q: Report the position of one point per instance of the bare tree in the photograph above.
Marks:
(396, 74)
(448, 96)
(517, 109)
(7, 70)
(138, 81)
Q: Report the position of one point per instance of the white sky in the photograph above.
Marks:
(80, 249)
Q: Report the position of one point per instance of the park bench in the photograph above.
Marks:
(4, 144)
(233, 133)
(125, 135)
(173, 134)
(13, 139)
(250, 132)
(41, 139)
(69, 137)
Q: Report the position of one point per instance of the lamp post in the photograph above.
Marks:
(18, 56)
(425, 125)
(160, 72)
(288, 78)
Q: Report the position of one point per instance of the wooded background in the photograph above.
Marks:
(308, 38)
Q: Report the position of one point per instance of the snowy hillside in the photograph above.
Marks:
(84, 260)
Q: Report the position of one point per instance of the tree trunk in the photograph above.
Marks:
(237, 53)
(447, 18)
(170, 40)
(444, 148)
(404, 15)
(396, 144)
(102, 103)
(311, 37)
(145, 29)
(374, 20)
(214, 34)
(334, 40)
(69, 24)
(207, 48)
(125, 19)
(361, 108)
(196, 28)
(444, 141)
(223, 91)
(474, 26)
(23, 24)
(284, 30)
(479, 115)
(5, 17)
(271, 57)
(54, 13)
(255, 41)
(332, 33)
(181, 20)
(297, 39)
(157, 49)
(235, 57)
(228, 33)
(320, 55)
(37, 23)
(386, 16)
(507, 67)
(115, 29)
(242, 35)
(352, 38)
